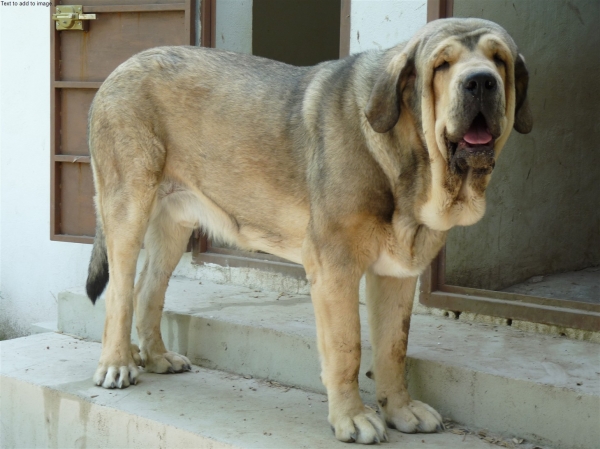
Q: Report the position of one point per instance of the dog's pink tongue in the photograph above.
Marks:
(478, 134)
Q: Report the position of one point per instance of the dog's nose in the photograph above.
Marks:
(479, 84)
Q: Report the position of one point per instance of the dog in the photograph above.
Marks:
(352, 167)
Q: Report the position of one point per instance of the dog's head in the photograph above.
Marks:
(466, 84)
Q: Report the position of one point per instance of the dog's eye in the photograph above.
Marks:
(443, 66)
(498, 60)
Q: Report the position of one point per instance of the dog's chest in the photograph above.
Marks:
(389, 264)
(408, 249)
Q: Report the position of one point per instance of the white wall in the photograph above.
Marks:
(33, 269)
(382, 24)
(374, 23)
(234, 25)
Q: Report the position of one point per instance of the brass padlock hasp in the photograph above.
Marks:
(71, 17)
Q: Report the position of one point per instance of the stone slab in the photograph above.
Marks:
(48, 400)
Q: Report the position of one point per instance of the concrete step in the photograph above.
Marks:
(44, 326)
(48, 401)
(496, 378)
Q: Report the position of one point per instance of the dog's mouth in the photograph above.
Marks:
(475, 149)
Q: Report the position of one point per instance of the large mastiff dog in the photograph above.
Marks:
(351, 167)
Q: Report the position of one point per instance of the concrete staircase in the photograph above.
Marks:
(540, 388)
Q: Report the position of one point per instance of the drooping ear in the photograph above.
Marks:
(383, 108)
(523, 117)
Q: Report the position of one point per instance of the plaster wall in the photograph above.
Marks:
(543, 215)
(380, 24)
(234, 25)
(33, 269)
(375, 24)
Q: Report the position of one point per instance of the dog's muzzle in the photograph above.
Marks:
(473, 147)
(475, 150)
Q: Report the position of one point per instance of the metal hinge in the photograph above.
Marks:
(71, 17)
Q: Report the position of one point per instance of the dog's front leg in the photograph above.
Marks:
(390, 302)
(334, 292)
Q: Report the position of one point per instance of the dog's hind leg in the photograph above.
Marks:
(125, 211)
(165, 242)
(127, 161)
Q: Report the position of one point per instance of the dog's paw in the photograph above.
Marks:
(167, 363)
(135, 353)
(364, 427)
(116, 373)
(414, 417)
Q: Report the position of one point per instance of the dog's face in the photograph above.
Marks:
(470, 101)
(466, 85)
(474, 94)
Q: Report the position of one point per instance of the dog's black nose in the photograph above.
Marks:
(479, 84)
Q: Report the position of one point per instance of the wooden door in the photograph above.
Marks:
(80, 62)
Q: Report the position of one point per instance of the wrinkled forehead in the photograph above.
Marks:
(468, 33)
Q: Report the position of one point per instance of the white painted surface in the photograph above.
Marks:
(33, 269)
(234, 25)
(379, 24)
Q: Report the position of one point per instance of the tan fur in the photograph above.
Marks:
(344, 167)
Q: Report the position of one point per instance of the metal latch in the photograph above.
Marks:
(71, 17)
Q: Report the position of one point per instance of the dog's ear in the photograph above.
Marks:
(523, 117)
(383, 108)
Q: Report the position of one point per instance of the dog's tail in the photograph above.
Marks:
(98, 269)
